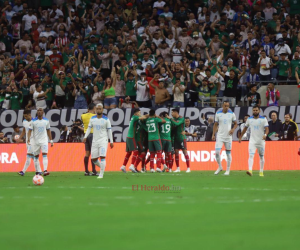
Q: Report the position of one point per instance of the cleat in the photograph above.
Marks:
(21, 173)
(158, 170)
(165, 168)
(177, 170)
(227, 173)
(170, 170)
(261, 174)
(39, 173)
(132, 169)
(143, 170)
(249, 172)
(87, 173)
(100, 177)
(123, 169)
(152, 170)
(46, 173)
(188, 170)
(218, 171)
(137, 171)
(95, 174)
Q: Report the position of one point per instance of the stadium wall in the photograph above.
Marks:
(69, 157)
(120, 118)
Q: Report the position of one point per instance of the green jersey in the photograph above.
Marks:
(133, 126)
(50, 94)
(294, 6)
(294, 65)
(283, 67)
(165, 130)
(130, 90)
(179, 123)
(141, 133)
(16, 100)
(153, 128)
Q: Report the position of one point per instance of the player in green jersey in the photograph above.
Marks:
(179, 139)
(154, 142)
(165, 135)
(131, 145)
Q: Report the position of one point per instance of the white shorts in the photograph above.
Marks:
(37, 148)
(219, 145)
(29, 148)
(260, 148)
(99, 150)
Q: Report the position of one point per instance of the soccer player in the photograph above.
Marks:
(259, 129)
(131, 145)
(26, 123)
(102, 132)
(165, 134)
(179, 139)
(40, 127)
(86, 120)
(142, 144)
(223, 124)
(154, 142)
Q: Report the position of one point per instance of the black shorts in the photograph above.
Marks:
(88, 143)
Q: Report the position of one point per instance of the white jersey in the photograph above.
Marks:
(101, 130)
(39, 129)
(257, 127)
(225, 121)
(26, 126)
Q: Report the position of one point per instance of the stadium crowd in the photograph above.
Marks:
(146, 53)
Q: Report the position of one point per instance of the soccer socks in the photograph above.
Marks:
(158, 160)
(250, 161)
(134, 157)
(128, 154)
(37, 164)
(102, 167)
(152, 156)
(45, 162)
(229, 159)
(170, 160)
(86, 164)
(93, 167)
(218, 158)
(147, 160)
(262, 163)
(27, 163)
(177, 160)
(138, 160)
(163, 160)
(97, 163)
(187, 160)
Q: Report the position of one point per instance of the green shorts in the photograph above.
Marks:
(154, 146)
(142, 146)
(166, 146)
(180, 144)
(131, 145)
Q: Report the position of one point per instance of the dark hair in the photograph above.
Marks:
(247, 115)
(91, 106)
(152, 112)
(175, 110)
(15, 126)
(27, 112)
(225, 101)
(254, 107)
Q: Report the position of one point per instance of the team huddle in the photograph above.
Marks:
(159, 134)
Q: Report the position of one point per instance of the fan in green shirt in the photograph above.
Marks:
(294, 7)
(283, 66)
(47, 85)
(16, 99)
(295, 64)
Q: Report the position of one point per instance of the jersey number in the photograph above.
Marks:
(168, 128)
(151, 127)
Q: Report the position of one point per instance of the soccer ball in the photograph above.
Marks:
(38, 180)
(17, 137)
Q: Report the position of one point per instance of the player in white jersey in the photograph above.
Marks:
(102, 132)
(259, 129)
(26, 124)
(40, 128)
(223, 124)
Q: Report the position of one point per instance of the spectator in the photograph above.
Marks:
(64, 134)
(209, 130)
(128, 104)
(272, 95)
(109, 92)
(178, 92)
(142, 92)
(274, 126)
(288, 130)
(189, 130)
(97, 95)
(2, 138)
(253, 97)
(16, 134)
(80, 99)
(284, 68)
(264, 64)
(161, 93)
(40, 96)
(27, 20)
(246, 136)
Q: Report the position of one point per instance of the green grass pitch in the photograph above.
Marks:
(74, 212)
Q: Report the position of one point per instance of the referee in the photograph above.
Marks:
(86, 117)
